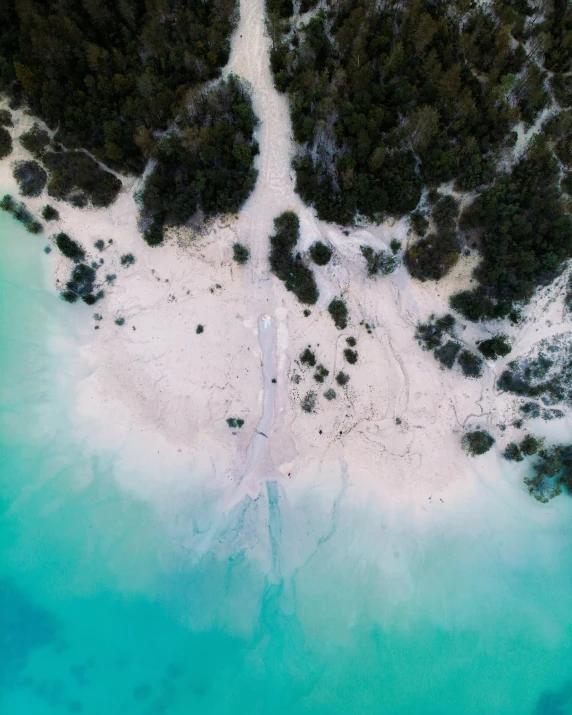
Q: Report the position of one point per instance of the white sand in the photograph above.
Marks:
(154, 385)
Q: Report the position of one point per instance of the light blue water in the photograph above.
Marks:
(105, 608)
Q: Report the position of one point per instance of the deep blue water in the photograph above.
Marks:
(107, 607)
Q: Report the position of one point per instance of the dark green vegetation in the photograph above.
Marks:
(351, 356)
(321, 373)
(544, 374)
(430, 335)
(494, 348)
(207, 163)
(551, 473)
(49, 213)
(339, 312)
(240, 253)
(447, 353)
(82, 285)
(351, 341)
(5, 118)
(70, 248)
(524, 234)
(77, 178)
(36, 140)
(330, 394)
(342, 379)
(395, 245)
(378, 261)
(127, 259)
(320, 253)
(309, 402)
(471, 364)
(433, 256)
(107, 75)
(477, 442)
(21, 214)
(5, 143)
(234, 422)
(286, 265)
(388, 97)
(308, 358)
(31, 177)
(200, 329)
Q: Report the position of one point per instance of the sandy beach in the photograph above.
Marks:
(154, 380)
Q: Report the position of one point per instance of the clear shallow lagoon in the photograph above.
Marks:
(107, 605)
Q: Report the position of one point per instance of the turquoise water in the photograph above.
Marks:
(110, 603)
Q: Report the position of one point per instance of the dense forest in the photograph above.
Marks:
(107, 74)
(388, 97)
(205, 162)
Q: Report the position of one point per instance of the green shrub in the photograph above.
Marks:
(342, 378)
(81, 285)
(5, 143)
(289, 268)
(430, 335)
(309, 402)
(321, 373)
(378, 262)
(471, 364)
(495, 347)
(330, 394)
(395, 245)
(200, 329)
(339, 312)
(5, 118)
(31, 177)
(69, 247)
(21, 214)
(35, 140)
(240, 253)
(433, 257)
(419, 223)
(352, 342)
(447, 354)
(512, 453)
(473, 306)
(77, 178)
(477, 442)
(127, 259)
(320, 253)
(49, 213)
(531, 445)
(351, 356)
(308, 358)
(551, 472)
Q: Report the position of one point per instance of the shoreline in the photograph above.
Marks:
(156, 376)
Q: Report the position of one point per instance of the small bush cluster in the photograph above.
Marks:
(430, 335)
(77, 178)
(70, 248)
(321, 373)
(432, 257)
(471, 364)
(308, 358)
(82, 285)
(551, 473)
(378, 261)
(309, 402)
(21, 214)
(342, 378)
(330, 394)
(35, 140)
(288, 267)
(127, 259)
(351, 356)
(320, 253)
(5, 118)
(31, 177)
(5, 143)
(496, 347)
(240, 253)
(477, 442)
(339, 312)
(529, 446)
(234, 422)
(49, 213)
